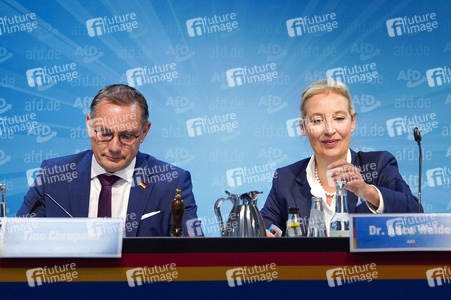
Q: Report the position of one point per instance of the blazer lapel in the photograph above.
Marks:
(81, 187)
(302, 197)
(139, 194)
(352, 202)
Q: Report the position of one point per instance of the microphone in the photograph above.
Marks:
(3, 203)
(417, 135)
(36, 206)
(39, 202)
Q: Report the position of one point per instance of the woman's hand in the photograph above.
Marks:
(275, 231)
(269, 234)
(344, 171)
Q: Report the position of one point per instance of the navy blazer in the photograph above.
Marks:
(291, 189)
(70, 187)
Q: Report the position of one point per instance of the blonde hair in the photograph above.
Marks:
(325, 86)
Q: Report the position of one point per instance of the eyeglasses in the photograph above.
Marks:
(125, 138)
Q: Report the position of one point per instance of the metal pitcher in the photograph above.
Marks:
(244, 219)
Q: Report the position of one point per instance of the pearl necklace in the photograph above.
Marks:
(317, 178)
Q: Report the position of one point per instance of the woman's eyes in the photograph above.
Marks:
(319, 120)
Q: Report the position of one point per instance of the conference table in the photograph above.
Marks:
(231, 268)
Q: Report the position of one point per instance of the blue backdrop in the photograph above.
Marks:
(223, 80)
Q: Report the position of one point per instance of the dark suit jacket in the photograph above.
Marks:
(291, 189)
(162, 179)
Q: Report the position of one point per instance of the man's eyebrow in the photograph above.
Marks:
(126, 131)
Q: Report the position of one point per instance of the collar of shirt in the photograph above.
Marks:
(126, 174)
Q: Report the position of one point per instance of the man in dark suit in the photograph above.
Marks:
(114, 179)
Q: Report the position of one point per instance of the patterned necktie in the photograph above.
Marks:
(104, 209)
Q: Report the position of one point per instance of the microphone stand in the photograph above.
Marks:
(420, 158)
(39, 202)
(417, 136)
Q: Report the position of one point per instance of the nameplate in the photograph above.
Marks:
(61, 237)
(400, 232)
